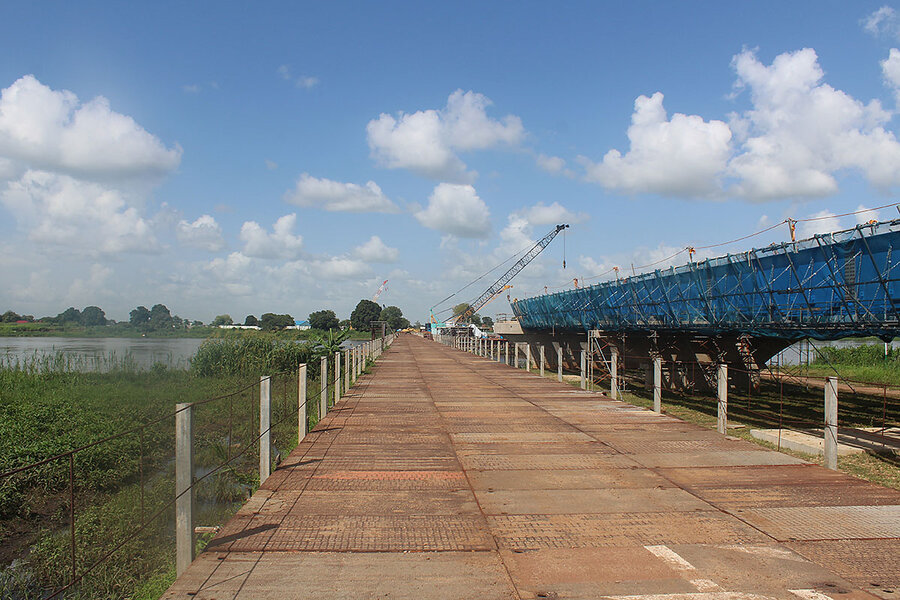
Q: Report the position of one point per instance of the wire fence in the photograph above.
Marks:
(116, 496)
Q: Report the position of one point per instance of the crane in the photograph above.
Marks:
(499, 285)
(380, 290)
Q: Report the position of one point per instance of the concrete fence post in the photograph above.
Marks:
(301, 403)
(657, 384)
(184, 489)
(528, 357)
(265, 427)
(517, 355)
(323, 388)
(722, 420)
(614, 373)
(559, 363)
(583, 365)
(506, 345)
(337, 377)
(347, 370)
(831, 422)
(542, 360)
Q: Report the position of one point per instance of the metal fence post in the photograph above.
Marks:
(265, 427)
(337, 377)
(323, 386)
(831, 422)
(657, 384)
(583, 364)
(184, 489)
(614, 373)
(722, 421)
(559, 363)
(542, 360)
(301, 403)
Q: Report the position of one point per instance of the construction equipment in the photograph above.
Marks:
(380, 290)
(501, 284)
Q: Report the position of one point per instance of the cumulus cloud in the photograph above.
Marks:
(550, 164)
(890, 68)
(204, 233)
(63, 211)
(681, 156)
(375, 250)
(427, 141)
(338, 267)
(825, 222)
(312, 192)
(864, 215)
(554, 214)
(801, 131)
(456, 210)
(280, 243)
(52, 130)
(303, 81)
(883, 22)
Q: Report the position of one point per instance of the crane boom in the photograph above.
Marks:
(514, 270)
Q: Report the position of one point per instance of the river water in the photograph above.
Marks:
(98, 354)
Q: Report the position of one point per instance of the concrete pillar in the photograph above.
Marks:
(722, 422)
(323, 388)
(347, 370)
(583, 365)
(657, 384)
(517, 356)
(337, 377)
(184, 489)
(614, 373)
(559, 363)
(831, 422)
(301, 403)
(542, 360)
(528, 357)
(265, 427)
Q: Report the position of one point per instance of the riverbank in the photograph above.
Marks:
(125, 330)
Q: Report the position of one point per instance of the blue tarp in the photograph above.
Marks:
(827, 287)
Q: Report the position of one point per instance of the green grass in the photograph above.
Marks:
(46, 410)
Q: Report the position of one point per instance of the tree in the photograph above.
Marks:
(364, 313)
(222, 320)
(70, 315)
(10, 317)
(487, 322)
(460, 309)
(345, 324)
(272, 322)
(251, 320)
(93, 316)
(139, 317)
(324, 320)
(160, 317)
(394, 317)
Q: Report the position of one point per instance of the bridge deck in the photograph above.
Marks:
(443, 475)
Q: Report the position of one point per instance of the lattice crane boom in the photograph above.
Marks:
(514, 270)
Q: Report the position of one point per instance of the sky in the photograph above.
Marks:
(242, 158)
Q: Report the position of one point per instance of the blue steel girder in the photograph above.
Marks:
(829, 286)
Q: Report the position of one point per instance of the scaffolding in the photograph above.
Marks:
(830, 286)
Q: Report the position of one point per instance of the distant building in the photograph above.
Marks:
(256, 327)
(301, 325)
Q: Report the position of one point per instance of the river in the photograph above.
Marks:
(98, 354)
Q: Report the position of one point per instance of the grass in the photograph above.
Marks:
(47, 410)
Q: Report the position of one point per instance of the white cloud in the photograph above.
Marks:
(681, 156)
(338, 267)
(800, 131)
(271, 165)
(375, 250)
(51, 130)
(883, 21)
(59, 210)
(554, 214)
(550, 164)
(304, 81)
(457, 210)
(890, 68)
(281, 243)
(204, 233)
(864, 215)
(825, 222)
(426, 142)
(312, 192)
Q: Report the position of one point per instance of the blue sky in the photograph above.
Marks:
(285, 157)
